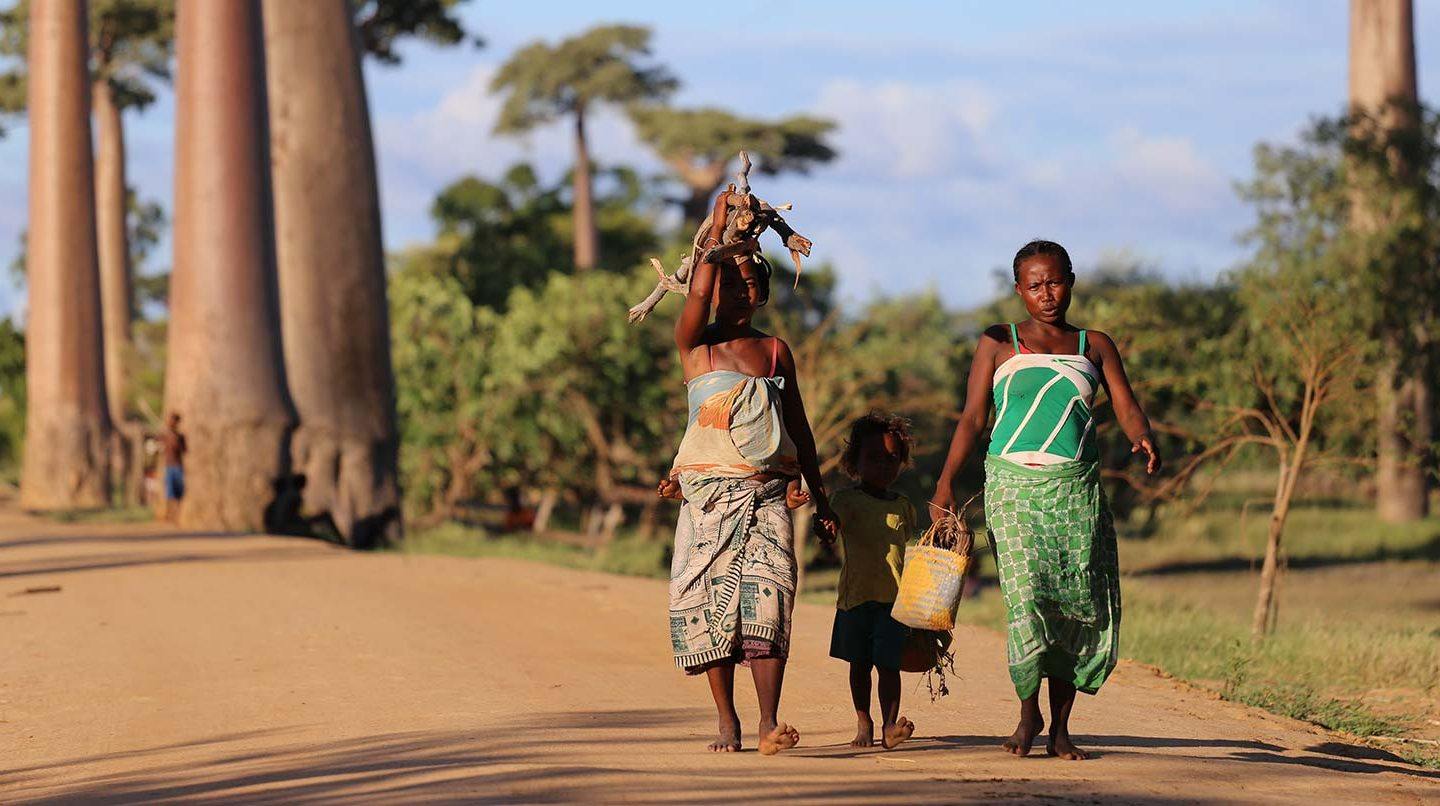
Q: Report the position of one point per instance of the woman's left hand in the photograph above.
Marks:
(1146, 444)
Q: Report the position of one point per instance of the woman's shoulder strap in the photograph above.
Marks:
(1082, 342)
(774, 355)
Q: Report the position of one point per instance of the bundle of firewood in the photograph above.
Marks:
(746, 216)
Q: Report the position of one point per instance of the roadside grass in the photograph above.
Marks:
(109, 515)
(628, 554)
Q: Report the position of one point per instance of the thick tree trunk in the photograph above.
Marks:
(1382, 79)
(67, 430)
(331, 265)
(116, 286)
(587, 235)
(225, 374)
(702, 181)
(549, 497)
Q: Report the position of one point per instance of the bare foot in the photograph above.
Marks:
(781, 737)
(898, 732)
(729, 739)
(864, 733)
(1060, 746)
(1024, 736)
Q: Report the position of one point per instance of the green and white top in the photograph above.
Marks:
(1042, 404)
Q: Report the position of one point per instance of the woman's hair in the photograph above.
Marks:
(1042, 247)
(875, 424)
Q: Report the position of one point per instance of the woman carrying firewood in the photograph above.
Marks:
(1047, 515)
(732, 581)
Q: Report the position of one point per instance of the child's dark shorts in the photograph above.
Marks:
(866, 633)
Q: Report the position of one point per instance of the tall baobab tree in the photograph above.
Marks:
(225, 374)
(1383, 87)
(331, 265)
(544, 83)
(67, 428)
(699, 145)
(130, 50)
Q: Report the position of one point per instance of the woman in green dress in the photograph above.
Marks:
(1047, 515)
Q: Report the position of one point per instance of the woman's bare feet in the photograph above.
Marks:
(776, 738)
(1060, 746)
(898, 732)
(864, 732)
(1024, 736)
(728, 740)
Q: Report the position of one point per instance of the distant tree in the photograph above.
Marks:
(700, 145)
(516, 232)
(543, 83)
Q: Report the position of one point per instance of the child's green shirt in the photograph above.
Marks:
(873, 534)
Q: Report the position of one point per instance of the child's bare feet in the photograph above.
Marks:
(728, 740)
(864, 733)
(1024, 736)
(1060, 746)
(898, 732)
(776, 738)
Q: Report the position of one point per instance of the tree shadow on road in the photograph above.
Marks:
(533, 760)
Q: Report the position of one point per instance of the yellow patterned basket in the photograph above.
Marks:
(934, 575)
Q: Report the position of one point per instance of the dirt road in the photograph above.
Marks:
(225, 668)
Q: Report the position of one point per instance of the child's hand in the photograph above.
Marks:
(796, 496)
(669, 487)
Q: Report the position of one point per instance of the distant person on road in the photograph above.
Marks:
(732, 581)
(1046, 512)
(173, 447)
(875, 524)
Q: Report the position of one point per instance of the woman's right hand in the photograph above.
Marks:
(942, 503)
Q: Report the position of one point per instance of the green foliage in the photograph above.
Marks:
(380, 23)
(790, 145)
(499, 236)
(12, 397)
(131, 45)
(544, 82)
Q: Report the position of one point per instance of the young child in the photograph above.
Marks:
(875, 524)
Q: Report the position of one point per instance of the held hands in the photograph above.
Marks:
(826, 525)
(1146, 444)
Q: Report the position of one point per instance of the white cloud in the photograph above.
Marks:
(1167, 168)
(904, 130)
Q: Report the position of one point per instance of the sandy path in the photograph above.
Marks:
(226, 668)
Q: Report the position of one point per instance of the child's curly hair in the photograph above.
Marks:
(876, 423)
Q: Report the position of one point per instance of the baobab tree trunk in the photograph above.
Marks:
(702, 181)
(334, 317)
(116, 296)
(67, 429)
(225, 374)
(1382, 81)
(587, 236)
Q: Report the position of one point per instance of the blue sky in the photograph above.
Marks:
(966, 128)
